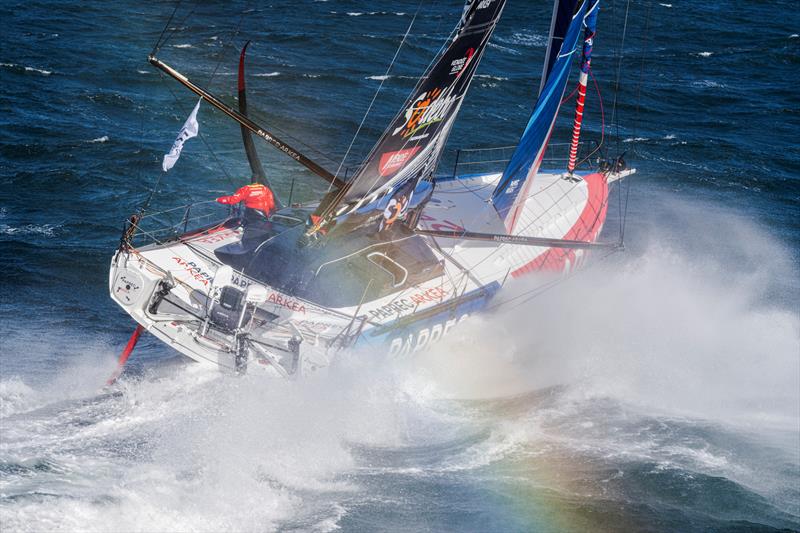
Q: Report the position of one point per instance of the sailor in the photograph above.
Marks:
(257, 198)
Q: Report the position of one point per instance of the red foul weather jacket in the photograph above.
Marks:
(254, 196)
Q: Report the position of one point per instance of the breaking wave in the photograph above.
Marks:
(22, 68)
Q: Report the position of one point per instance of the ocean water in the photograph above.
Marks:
(657, 391)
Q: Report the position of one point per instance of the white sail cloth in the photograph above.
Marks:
(189, 130)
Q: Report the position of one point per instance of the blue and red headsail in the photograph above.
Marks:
(411, 147)
(511, 192)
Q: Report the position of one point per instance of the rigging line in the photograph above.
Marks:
(536, 219)
(602, 120)
(222, 52)
(614, 117)
(157, 46)
(178, 26)
(645, 50)
(375, 96)
(548, 286)
(451, 120)
(421, 79)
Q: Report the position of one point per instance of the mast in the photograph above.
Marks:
(247, 123)
(511, 192)
(247, 137)
(590, 25)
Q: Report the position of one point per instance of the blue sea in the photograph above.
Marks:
(659, 390)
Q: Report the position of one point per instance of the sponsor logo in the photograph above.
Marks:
(512, 187)
(391, 162)
(428, 108)
(458, 64)
(194, 270)
(283, 301)
(443, 225)
(240, 281)
(485, 3)
(219, 236)
(398, 307)
(127, 287)
(416, 341)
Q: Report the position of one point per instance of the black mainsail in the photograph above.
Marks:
(410, 149)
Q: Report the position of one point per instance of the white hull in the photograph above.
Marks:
(289, 335)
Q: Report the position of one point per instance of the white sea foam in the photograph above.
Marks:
(711, 84)
(102, 139)
(504, 49)
(379, 78)
(665, 5)
(39, 70)
(267, 74)
(635, 139)
(27, 69)
(182, 45)
(490, 77)
(705, 54)
(211, 446)
(44, 230)
(682, 326)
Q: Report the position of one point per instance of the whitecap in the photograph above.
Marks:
(39, 70)
(794, 36)
(378, 78)
(142, 71)
(184, 45)
(354, 14)
(666, 5)
(102, 139)
(46, 230)
(504, 49)
(635, 139)
(27, 69)
(267, 74)
(15, 396)
(669, 137)
(705, 54)
(490, 77)
(708, 84)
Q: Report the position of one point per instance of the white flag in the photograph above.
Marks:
(189, 130)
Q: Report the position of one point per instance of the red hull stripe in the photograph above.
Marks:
(586, 228)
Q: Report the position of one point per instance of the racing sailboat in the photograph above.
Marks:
(397, 255)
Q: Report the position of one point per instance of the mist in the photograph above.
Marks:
(699, 317)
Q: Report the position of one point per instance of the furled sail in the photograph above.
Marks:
(411, 147)
(511, 191)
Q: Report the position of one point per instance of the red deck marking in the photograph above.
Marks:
(586, 228)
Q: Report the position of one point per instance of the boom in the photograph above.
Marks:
(247, 123)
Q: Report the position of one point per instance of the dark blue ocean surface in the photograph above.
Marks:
(656, 392)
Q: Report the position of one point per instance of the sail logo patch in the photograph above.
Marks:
(428, 108)
(458, 65)
(391, 162)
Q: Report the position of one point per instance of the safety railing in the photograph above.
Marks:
(494, 159)
(169, 224)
